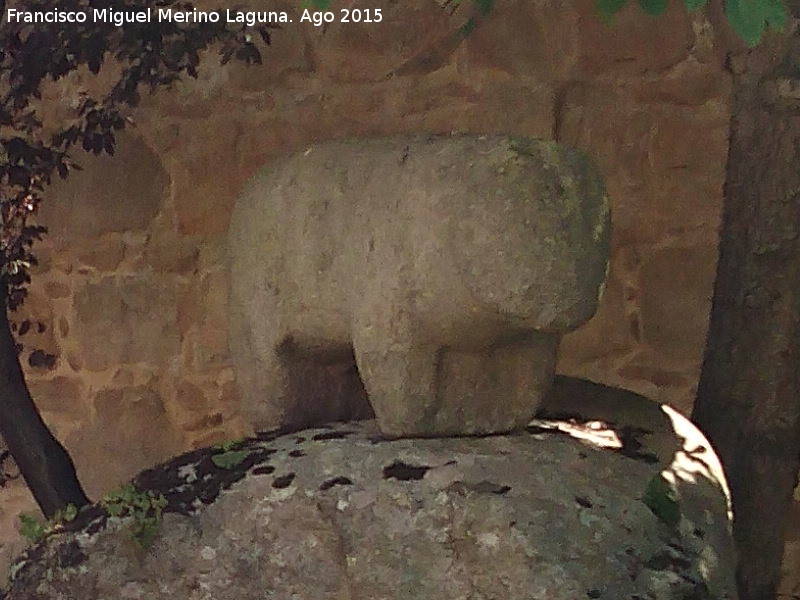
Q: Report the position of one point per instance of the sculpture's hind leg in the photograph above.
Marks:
(401, 386)
(399, 371)
(496, 389)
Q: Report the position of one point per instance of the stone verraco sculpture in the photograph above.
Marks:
(448, 265)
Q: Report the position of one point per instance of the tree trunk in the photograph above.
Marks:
(42, 460)
(748, 400)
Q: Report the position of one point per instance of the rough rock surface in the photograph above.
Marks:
(447, 264)
(566, 510)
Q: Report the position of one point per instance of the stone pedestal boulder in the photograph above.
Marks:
(446, 266)
(620, 499)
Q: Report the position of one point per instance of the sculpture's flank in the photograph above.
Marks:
(448, 266)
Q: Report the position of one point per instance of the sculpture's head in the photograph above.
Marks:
(537, 251)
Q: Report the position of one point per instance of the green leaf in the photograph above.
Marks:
(608, 8)
(692, 5)
(70, 513)
(228, 460)
(660, 499)
(158, 502)
(654, 7)
(114, 509)
(31, 528)
(122, 495)
(775, 14)
(747, 19)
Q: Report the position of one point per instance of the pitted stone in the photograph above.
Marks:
(563, 511)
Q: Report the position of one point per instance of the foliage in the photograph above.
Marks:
(143, 507)
(35, 530)
(661, 500)
(146, 56)
(32, 528)
(229, 458)
(749, 18)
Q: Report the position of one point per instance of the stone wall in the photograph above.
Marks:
(132, 285)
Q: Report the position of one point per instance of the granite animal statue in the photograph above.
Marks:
(449, 266)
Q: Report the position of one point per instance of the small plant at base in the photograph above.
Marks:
(661, 500)
(143, 507)
(229, 458)
(32, 528)
(35, 530)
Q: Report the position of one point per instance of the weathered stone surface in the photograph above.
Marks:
(103, 254)
(203, 204)
(484, 110)
(203, 322)
(118, 193)
(170, 253)
(560, 512)
(664, 183)
(632, 43)
(548, 26)
(678, 284)
(449, 264)
(134, 317)
(348, 53)
(56, 289)
(131, 430)
(60, 398)
(688, 82)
